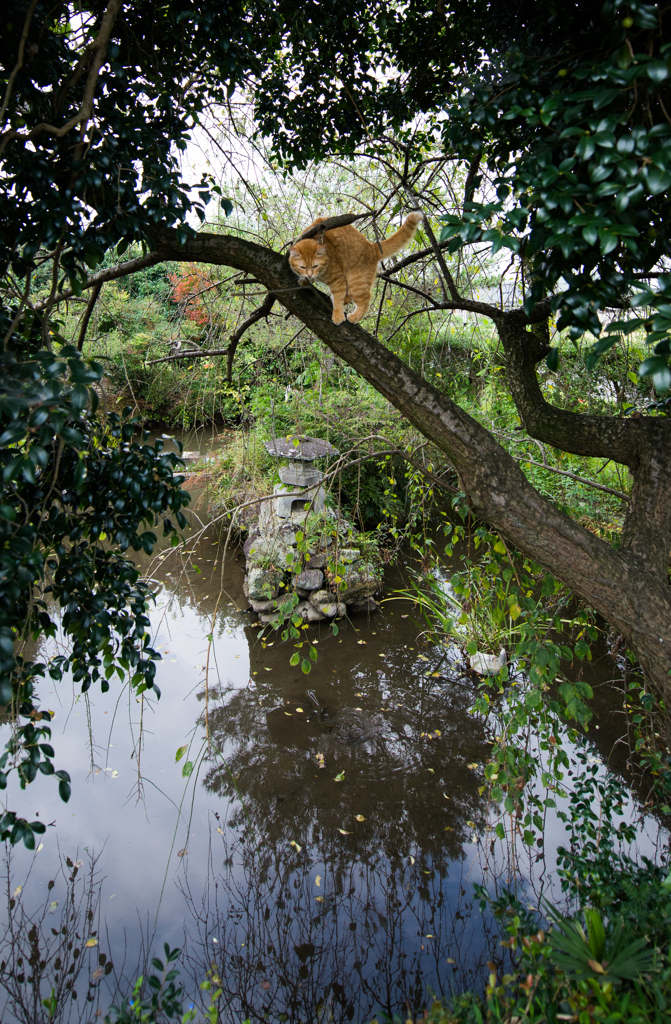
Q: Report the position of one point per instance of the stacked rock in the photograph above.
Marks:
(333, 580)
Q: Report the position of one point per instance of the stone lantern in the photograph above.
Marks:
(301, 486)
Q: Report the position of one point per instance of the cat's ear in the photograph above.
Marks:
(293, 251)
(321, 250)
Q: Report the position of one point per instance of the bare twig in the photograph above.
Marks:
(574, 476)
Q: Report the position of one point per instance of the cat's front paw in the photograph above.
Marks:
(338, 318)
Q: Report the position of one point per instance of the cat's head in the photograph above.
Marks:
(308, 260)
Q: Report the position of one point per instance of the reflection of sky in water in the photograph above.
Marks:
(394, 899)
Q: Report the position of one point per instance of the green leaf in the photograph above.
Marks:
(552, 359)
(294, 659)
(306, 667)
(181, 751)
(187, 768)
(658, 181)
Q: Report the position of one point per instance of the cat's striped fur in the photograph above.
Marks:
(347, 263)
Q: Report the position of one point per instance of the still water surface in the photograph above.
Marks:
(323, 850)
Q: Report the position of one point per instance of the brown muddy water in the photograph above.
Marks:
(322, 851)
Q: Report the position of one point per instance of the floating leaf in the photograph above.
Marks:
(411, 859)
(318, 881)
(181, 853)
(220, 830)
(361, 641)
(340, 777)
(98, 974)
(319, 899)
(187, 769)
(343, 832)
(90, 943)
(360, 817)
(450, 960)
(299, 710)
(114, 774)
(52, 906)
(289, 713)
(295, 845)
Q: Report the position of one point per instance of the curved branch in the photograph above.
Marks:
(111, 274)
(83, 115)
(258, 314)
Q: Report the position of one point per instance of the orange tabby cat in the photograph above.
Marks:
(347, 263)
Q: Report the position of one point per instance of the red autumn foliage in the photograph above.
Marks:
(189, 288)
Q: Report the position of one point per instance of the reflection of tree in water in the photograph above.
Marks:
(391, 905)
(415, 792)
(379, 936)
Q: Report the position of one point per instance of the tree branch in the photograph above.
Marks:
(635, 600)
(85, 111)
(258, 314)
(111, 274)
(95, 292)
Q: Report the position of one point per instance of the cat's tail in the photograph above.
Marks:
(390, 246)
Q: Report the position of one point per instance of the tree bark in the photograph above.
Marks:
(625, 586)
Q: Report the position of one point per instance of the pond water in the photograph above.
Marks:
(322, 850)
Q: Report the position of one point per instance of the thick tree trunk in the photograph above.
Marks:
(621, 585)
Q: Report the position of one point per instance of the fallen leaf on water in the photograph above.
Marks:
(404, 616)
(90, 943)
(114, 774)
(446, 796)
(318, 881)
(361, 641)
(360, 817)
(300, 710)
(358, 709)
(295, 845)
(289, 713)
(358, 695)
(471, 824)
(422, 658)
(320, 899)
(265, 984)
(432, 770)
(40, 847)
(473, 765)
(412, 860)
(52, 906)
(343, 832)
(98, 974)
(267, 669)
(340, 777)
(450, 960)
(448, 829)
(181, 853)
(429, 936)
(220, 830)
(17, 891)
